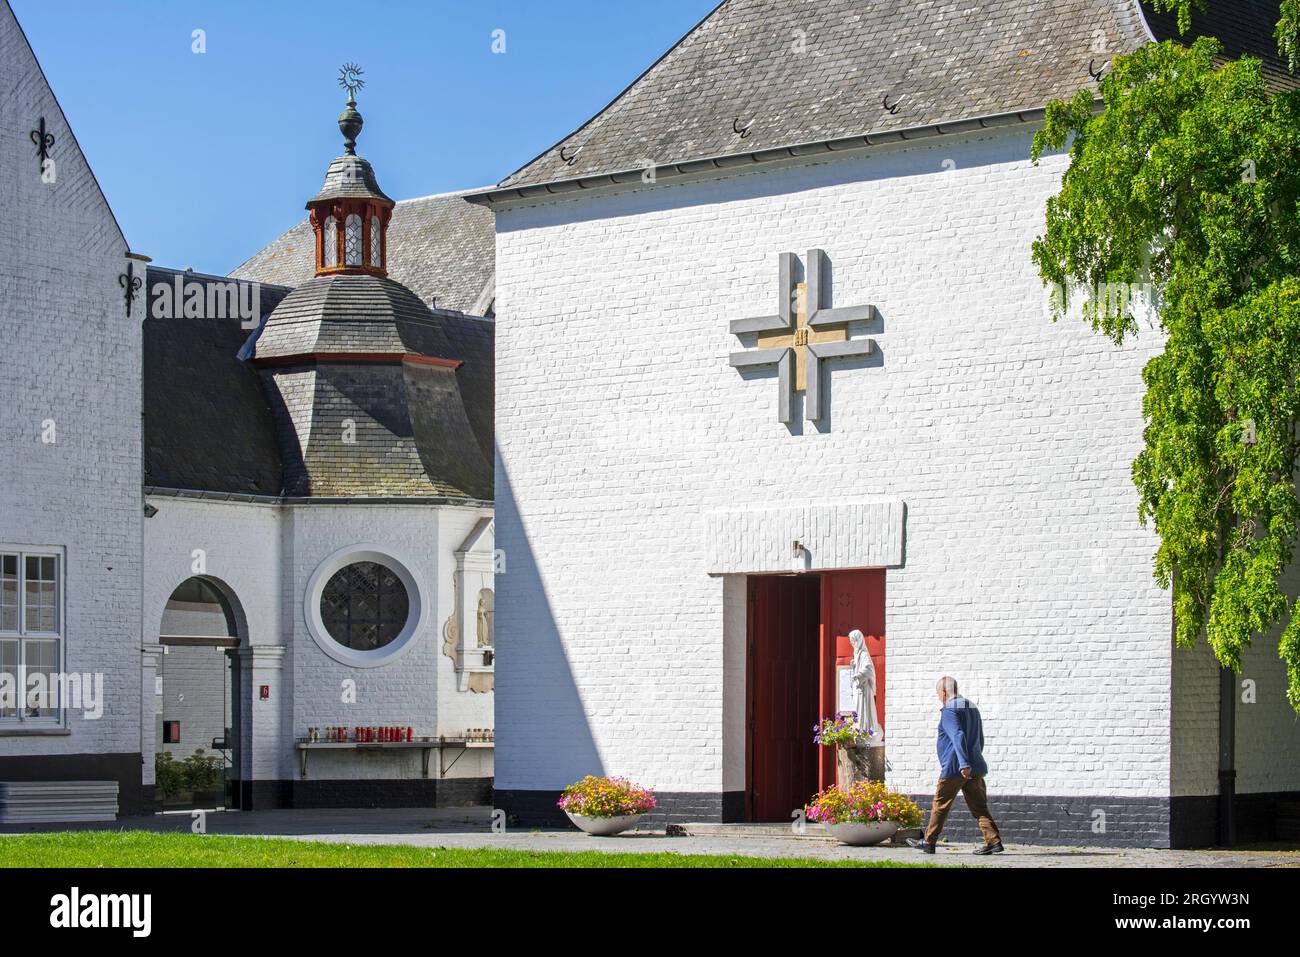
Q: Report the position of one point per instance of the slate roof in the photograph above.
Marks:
(350, 313)
(473, 341)
(207, 424)
(350, 177)
(440, 247)
(939, 62)
(1243, 26)
(410, 432)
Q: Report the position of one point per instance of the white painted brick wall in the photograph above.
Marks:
(240, 546)
(620, 425)
(845, 535)
(196, 692)
(72, 355)
(265, 555)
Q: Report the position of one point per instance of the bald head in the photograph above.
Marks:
(947, 688)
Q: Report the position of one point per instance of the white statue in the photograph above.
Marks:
(864, 687)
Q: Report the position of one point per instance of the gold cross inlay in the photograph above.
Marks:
(801, 336)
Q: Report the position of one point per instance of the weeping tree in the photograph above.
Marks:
(1187, 183)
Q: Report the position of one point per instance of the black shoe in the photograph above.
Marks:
(994, 848)
(920, 845)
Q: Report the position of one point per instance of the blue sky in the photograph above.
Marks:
(206, 158)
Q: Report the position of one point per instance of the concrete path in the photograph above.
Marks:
(471, 827)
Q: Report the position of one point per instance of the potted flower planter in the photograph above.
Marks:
(615, 804)
(604, 826)
(862, 834)
(864, 813)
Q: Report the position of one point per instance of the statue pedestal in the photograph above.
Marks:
(854, 763)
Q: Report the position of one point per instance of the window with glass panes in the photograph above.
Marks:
(365, 606)
(352, 240)
(31, 630)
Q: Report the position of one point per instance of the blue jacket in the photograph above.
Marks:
(961, 739)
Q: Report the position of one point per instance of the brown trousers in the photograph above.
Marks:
(977, 799)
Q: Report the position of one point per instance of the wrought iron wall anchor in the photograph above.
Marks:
(43, 141)
(1095, 74)
(742, 130)
(570, 160)
(131, 283)
(892, 109)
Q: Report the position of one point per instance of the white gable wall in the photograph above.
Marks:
(72, 359)
(1009, 439)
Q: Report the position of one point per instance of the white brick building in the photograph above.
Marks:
(964, 497)
(299, 536)
(71, 442)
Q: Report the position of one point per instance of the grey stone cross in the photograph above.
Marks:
(801, 336)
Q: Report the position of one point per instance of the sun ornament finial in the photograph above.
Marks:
(350, 121)
(350, 79)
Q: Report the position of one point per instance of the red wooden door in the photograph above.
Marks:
(784, 658)
(850, 600)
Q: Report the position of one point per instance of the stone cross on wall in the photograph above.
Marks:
(801, 336)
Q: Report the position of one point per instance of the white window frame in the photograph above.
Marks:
(21, 720)
(415, 603)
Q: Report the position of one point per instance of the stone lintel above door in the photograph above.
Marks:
(768, 540)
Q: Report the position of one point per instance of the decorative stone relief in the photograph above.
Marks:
(468, 634)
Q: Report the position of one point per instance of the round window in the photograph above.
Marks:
(364, 606)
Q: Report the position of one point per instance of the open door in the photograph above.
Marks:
(849, 600)
(783, 687)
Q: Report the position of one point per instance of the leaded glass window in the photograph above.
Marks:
(375, 259)
(352, 240)
(364, 606)
(331, 242)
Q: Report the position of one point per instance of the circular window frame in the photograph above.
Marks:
(375, 657)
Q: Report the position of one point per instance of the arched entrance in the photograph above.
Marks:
(197, 736)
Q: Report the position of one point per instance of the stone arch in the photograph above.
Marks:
(203, 606)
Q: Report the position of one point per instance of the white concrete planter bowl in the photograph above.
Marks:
(604, 826)
(865, 834)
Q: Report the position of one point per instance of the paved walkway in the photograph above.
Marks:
(471, 827)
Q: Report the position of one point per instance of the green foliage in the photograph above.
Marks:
(1189, 180)
(198, 772)
(1288, 33)
(1184, 8)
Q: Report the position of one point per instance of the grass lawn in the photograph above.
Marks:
(146, 849)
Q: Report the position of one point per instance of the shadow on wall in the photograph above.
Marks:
(543, 738)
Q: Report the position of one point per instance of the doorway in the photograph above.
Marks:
(797, 653)
(197, 743)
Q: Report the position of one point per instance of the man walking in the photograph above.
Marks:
(961, 768)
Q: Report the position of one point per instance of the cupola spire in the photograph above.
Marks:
(350, 213)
